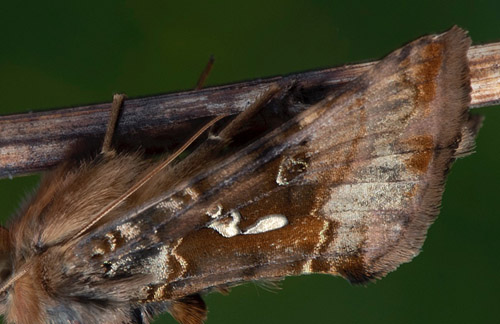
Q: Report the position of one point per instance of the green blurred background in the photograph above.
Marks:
(69, 53)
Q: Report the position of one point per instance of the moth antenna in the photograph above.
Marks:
(205, 73)
(103, 212)
(110, 130)
(24, 269)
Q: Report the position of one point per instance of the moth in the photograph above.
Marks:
(347, 187)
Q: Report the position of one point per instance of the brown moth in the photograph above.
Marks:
(347, 187)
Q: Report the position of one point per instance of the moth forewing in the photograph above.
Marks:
(347, 187)
(358, 177)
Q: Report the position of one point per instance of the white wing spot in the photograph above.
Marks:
(225, 227)
(267, 223)
(228, 226)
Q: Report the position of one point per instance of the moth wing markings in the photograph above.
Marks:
(384, 220)
(121, 246)
(267, 223)
(295, 202)
(229, 227)
(397, 214)
(322, 235)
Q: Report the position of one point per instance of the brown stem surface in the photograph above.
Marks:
(33, 142)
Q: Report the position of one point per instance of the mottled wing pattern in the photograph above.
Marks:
(358, 177)
(348, 187)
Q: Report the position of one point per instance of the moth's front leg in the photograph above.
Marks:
(107, 149)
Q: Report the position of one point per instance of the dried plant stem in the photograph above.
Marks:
(33, 142)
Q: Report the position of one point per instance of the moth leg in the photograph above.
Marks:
(205, 73)
(239, 121)
(107, 150)
(118, 99)
(217, 142)
(188, 310)
(116, 106)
